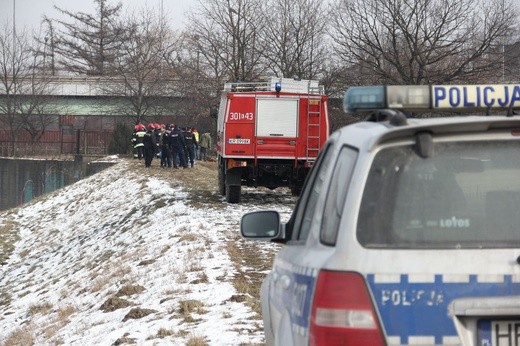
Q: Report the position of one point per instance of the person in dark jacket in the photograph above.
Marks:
(177, 145)
(150, 145)
(164, 145)
(190, 140)
(157, 128)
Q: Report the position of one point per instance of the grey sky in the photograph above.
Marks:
(29, 13)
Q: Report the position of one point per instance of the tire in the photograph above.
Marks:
(233, 193)
(221, 178)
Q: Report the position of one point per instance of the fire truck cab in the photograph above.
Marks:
(269, 134)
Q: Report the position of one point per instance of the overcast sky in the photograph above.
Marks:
(29, 13)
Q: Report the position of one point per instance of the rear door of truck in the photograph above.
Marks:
(277, 126)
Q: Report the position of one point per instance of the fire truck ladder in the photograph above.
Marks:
(313, 122)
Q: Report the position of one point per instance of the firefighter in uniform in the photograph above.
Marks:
(137, 141)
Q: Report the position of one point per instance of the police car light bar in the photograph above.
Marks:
(434, 97)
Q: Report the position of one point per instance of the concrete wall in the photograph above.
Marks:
(21, 180)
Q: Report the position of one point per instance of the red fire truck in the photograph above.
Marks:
(269, 134)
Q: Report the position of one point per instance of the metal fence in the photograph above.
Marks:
(53, 143)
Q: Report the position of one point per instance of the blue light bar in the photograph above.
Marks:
(364, 97)
(435, 97)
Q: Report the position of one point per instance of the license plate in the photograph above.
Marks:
(239, 141)
(499, 333)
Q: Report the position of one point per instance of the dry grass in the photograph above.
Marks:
(114, 303)
(8, 237)
(124, 340)
(20, 337)
(5, 298)
(66, 312)
(200, 181)
(189, 238)
(202, 279)
(129, 290)
(163, 333)
(248, 282)
(99, 284)
(194, 266)
(24, 253)
(33, 268)
(146, 262)
(165, 249)
(137, 313)
(42, 309)
(181, 277)
(195, 340)
(56, 322)
(189, 306)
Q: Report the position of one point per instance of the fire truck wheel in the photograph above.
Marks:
(233, 193)
(221, 180)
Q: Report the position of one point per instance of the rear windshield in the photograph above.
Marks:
(467, 195)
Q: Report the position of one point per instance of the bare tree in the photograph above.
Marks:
(221, 44)
(196, 80)
(89, 43)
(49, 46)
(139, 64)
(294, 41)
(228, 37)
(25, 103)
(421, 41)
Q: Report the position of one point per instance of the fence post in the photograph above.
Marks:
(78, 137)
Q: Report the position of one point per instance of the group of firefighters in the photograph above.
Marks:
(175, 146)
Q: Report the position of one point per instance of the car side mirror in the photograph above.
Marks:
(260, 225)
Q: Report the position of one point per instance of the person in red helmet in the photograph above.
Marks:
(137, 141)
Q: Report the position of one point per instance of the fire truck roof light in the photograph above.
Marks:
(432, 97)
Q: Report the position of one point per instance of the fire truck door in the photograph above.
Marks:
(240, 127)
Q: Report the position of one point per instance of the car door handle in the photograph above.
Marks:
(285, 282)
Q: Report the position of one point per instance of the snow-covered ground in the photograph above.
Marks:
(122, 257)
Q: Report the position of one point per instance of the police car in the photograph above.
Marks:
(407, 231)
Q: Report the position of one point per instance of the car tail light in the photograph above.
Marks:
(342, 312)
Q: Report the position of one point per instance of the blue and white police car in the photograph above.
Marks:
(407, 231)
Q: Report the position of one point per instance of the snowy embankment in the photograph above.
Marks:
(124, 257)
